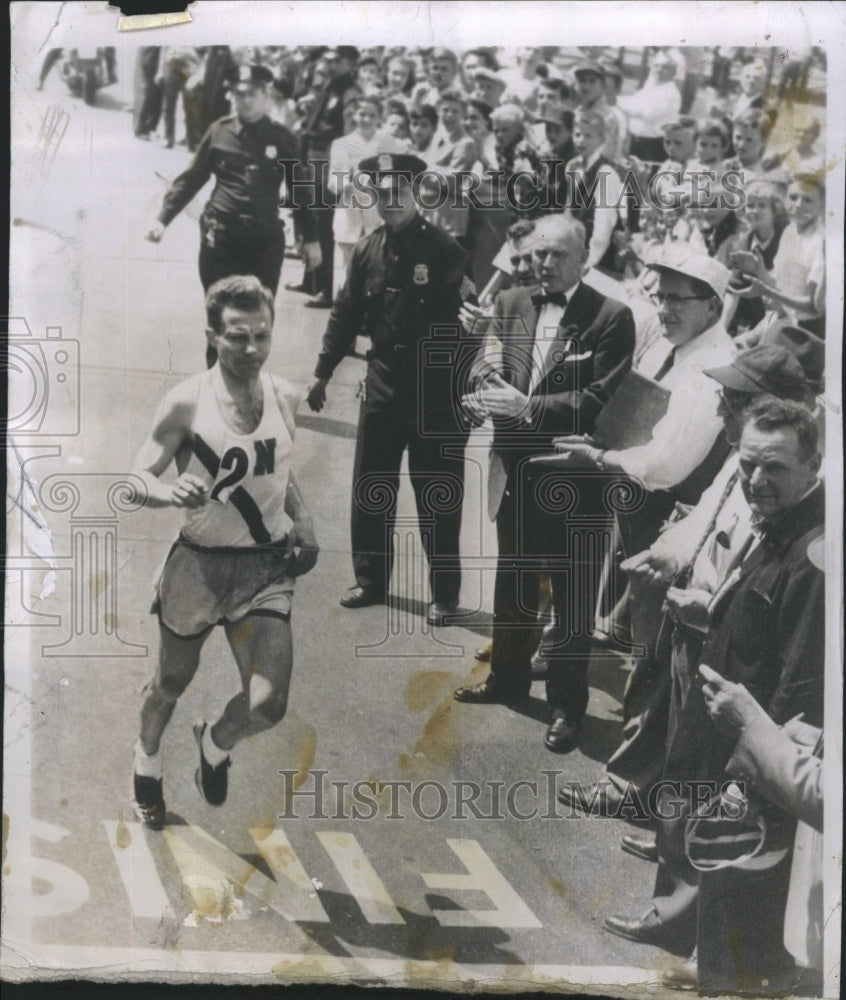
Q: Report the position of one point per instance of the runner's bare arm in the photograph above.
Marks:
(167, 440)
(288, 400)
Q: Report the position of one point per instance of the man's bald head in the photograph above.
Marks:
(559, 252)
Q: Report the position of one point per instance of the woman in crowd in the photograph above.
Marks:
(477, 124)
(795, 287)
(399, 79)
(763, 220)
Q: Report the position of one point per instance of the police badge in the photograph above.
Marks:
(421, 274)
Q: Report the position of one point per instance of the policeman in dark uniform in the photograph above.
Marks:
(403, 290)
(249, 156)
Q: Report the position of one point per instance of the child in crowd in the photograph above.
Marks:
(711, 145)
(352, 219)
(422, 123)
(396, 121)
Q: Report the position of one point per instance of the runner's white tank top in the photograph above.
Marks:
(246, 474)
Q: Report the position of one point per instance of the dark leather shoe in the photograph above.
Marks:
(600, 799)
(684, 976)
(486, 693)
(361, 597)
(563, 735)
(647, 929)
(321, 301)
(438, 612)
(640, 845)
(483, 653)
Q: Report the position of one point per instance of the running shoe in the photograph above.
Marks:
(212, 782)
(149, 803)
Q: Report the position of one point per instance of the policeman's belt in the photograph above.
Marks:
(393, 354)
(246, 220)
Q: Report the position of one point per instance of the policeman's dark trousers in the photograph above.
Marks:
(323, 213)
(438, 483)
(172, 86)
(230, 247)
(536, 539)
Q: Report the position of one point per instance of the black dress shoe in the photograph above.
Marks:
(563, 735)
(647, 929)
(486, 693)
(321, 301)
(682, 977)
(600, 799)
(640, 845)
(438, 612)
(361, 597)
(483, 654)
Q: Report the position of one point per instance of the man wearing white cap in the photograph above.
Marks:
(691, 287)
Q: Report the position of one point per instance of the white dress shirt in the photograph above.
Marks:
(686, 433)
(652, 106)
(546, 334)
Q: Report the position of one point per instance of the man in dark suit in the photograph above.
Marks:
(565, 348)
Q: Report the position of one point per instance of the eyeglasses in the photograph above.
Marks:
(734, 399)
(674, 301)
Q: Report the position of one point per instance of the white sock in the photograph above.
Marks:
(212, 752)
(147, 766)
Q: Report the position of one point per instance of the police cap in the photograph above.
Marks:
(385, 168)
(250, 75)
(589, 66)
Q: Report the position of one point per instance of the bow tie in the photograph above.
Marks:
(551, 298)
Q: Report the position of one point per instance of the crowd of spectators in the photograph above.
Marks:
(510, 135)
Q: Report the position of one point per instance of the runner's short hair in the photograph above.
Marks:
(238, 291)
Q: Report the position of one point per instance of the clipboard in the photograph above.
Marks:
(635, 407)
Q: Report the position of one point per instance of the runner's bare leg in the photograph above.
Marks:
(263, 649)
